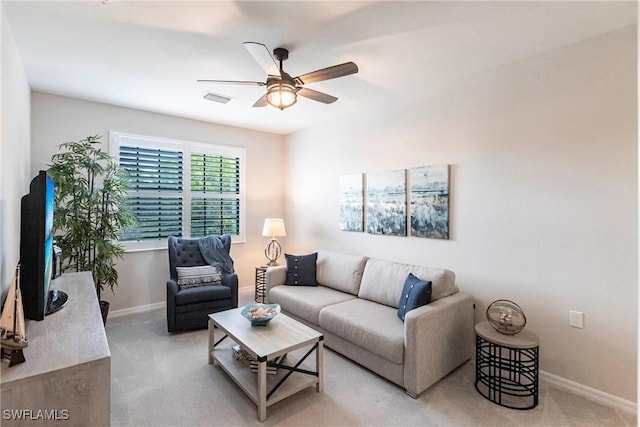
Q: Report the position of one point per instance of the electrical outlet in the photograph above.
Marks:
(576, 319)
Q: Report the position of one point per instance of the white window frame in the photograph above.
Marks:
(116, 139)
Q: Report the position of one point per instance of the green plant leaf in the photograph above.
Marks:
(90, 212)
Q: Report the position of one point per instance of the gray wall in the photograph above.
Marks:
(543, 161)
(14, 152)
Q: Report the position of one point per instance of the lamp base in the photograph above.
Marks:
(272, 251)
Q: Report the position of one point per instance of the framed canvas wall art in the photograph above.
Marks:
(387, 203)
(352, 202)
(430, 201)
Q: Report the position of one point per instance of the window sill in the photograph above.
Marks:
(132, 247)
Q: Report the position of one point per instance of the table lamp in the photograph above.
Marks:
(273, 227)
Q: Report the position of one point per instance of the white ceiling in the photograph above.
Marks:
(148, 55)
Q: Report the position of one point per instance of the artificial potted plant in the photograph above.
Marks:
(90, 211)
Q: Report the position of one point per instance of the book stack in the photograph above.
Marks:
(271, 370)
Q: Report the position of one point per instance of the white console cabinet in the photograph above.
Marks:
(66, 379)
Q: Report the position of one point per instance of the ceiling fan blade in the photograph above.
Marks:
(328, 73)
(317, 96)
(235, 82)
(263, 57)
(262, 102)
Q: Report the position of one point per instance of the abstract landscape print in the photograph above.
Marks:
(387, 203)
(430, 201)
(352, 202)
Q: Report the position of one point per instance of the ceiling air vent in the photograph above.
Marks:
(209, 96)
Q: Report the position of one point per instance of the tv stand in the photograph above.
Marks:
(67, 372)
(57, 300)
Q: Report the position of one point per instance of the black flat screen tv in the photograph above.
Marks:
(36, 250)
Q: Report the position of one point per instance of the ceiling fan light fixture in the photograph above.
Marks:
(281, 95)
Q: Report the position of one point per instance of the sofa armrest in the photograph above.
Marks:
(172, 290)
(274, 276)
(231, 280)
(437, 338)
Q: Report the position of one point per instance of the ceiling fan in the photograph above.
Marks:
(282, 89)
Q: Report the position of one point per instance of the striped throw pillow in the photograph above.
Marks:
(189, 277)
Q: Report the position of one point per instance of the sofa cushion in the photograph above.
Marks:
(202, 294)
(382, 281)
(306, 302)
(189, 277)
(340, 271)
(415, 293)
(301, 269)
(369, 325)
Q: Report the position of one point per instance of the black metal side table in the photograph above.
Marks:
(261, 290)
(507, 367)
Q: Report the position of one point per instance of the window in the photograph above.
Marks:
(215, 186)
(180, 188)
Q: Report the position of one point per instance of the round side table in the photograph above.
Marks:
(507, 367)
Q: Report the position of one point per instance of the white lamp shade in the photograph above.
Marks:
(274, 227)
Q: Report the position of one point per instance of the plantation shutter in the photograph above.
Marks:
(215, 194)
(155, 192)
(180, 188)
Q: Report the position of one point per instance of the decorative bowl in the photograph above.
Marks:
(506, 317)
(260, 314)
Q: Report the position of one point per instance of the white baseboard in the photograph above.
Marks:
(136, 309)
(589, 393)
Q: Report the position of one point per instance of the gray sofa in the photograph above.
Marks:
(355, 306)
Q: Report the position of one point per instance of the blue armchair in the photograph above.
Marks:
(189, 308)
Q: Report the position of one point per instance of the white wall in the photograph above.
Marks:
(544, 196)
(14, 151)
(143, 275)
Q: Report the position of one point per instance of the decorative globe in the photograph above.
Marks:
(506, 317)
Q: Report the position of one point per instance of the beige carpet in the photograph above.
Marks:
(158, 379)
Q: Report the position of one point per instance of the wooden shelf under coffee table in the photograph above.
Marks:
(282, 335)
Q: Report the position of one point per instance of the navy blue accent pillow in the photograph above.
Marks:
(301, 270)
(415, 293)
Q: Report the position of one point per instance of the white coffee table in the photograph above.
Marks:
(281, 336)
